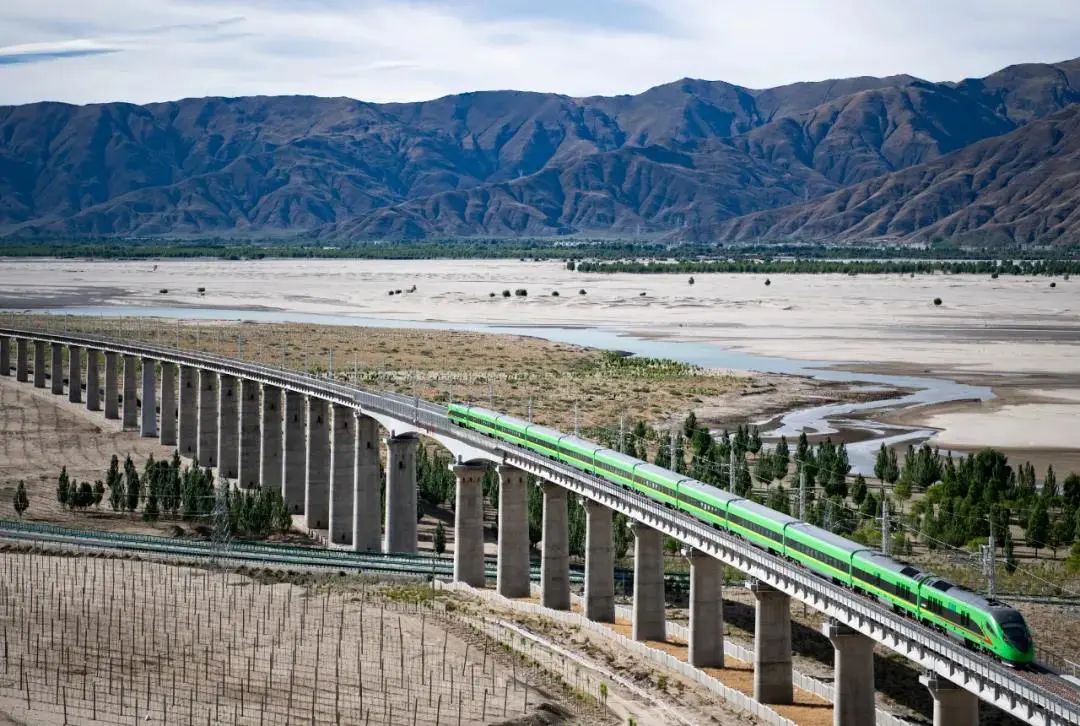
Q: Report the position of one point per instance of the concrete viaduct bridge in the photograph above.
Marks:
(317, 440)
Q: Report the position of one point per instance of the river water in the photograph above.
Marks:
(821, 420)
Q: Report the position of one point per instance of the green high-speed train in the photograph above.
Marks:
(982, 624)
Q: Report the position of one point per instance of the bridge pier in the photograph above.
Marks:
(5, 356)
(131, 396)
(555, 559)
(599, 563)
(317, 481)
(93, 381)
(21, 374)
(56, 377)
(401, 494)
(75, 374)
(953, 705)
(270, 439)
(112, 394)
(39, 364)
(853, 689)
(208, 419)
(342, 474)
(168, 404)
(250, 434)
(469, 524)
(367, 514)
(228, 428)
(294, 452)
(772, 645)
(149, 426)
(188, 438)
(648, 611)
(706, 610)
(512, 570)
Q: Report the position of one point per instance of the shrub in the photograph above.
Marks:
(506, 293)
(521, 292)
(581, 291)
(937, 301)
(767, 282)
(554, 293)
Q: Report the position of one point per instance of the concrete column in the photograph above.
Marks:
(168, 404)
(469, 525)
(131, 396)
(342, 474)
(21, 374)
(512, 571)
(294, 452)
(188, 439)
(772, 645)
(112, 394)
(149, 427)
(706, 611)
(599, 563)
(228, 428)
(250, 434)
(853, 684)
(400, 494)
(207, 450)
(75, 374)
(270, 439)
(56, 378)
(367, 515)
(953, 705)
(39, 364)
(93, 381)
(648, 620)
(317, 481)
(555, 557)
(5, 356)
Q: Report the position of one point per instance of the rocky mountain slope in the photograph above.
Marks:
(687, 159)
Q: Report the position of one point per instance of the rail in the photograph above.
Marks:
(1046, 700)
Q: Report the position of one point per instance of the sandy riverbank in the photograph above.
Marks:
(1017, 335)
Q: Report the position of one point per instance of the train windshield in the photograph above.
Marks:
(1015, 629)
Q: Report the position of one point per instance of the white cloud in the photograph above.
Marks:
(381, 50)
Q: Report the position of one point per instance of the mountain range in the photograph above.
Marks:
(988, 160)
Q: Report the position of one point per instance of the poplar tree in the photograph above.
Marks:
(21, 500)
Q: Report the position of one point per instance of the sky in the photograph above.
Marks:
(85, 51)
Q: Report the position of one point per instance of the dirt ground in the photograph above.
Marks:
(115, 641)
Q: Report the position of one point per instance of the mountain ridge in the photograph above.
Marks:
(680, 158)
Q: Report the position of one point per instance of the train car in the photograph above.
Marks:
(982, 624)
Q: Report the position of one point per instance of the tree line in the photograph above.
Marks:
(166, 489)
(806, 266)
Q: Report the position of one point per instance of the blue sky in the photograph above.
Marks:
(84, 51)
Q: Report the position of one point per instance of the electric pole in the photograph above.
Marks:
(622, 434)
(886, 539)
(802, 493)
(989, 562)
(731, 469)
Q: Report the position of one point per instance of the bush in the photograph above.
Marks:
(506, 293)
(521, 292)
(937, 301)
(554, 293)
(581, 291)
(767, 282)
(491, 294)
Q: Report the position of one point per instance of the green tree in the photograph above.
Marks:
(63, 486)
(621, 535)
(132, 486)
(781, 458)
(150, 510)
(859, 492)
(1038, 527)
(1049, 489)
(81, 495)
(1010, 553)
(115, 483)
(1070, 490)
(99, 492)
(440, 538)
(21, 500)
(754, 443)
